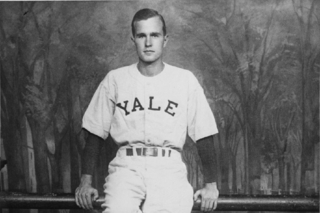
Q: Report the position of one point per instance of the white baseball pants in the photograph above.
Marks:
(151, 184)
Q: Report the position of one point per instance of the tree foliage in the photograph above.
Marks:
(258, 62)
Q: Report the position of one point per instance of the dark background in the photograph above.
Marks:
(258, 62)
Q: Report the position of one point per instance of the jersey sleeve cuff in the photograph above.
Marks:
(96, 131)
(206, 134)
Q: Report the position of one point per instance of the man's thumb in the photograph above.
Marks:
(95, 195)
(196, 195)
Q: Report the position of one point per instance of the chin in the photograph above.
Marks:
(148, 61)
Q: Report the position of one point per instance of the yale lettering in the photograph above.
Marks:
(138, 106)
(150, 104)
(169, 107)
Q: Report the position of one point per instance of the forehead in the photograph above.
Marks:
(150, 25)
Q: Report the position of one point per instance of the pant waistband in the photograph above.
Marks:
(149, 151)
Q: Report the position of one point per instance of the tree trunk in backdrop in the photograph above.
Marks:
(309, 107)
(40, 156)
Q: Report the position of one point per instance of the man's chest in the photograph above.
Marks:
(160, 97)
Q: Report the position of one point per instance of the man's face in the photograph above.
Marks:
(149, 39)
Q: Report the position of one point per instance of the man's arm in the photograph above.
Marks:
(210, 193)
(85, 193)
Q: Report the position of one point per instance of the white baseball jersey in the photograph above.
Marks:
(154, 111)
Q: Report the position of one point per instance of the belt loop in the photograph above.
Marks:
(134, 150)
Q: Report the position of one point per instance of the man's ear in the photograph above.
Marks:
(166, 38)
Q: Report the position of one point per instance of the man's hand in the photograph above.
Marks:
(85, 193)
(209, 197)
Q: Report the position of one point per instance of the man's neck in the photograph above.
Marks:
(151, 69)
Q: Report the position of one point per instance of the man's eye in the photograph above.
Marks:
(155, 35)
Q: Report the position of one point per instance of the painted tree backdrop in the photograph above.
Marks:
(258, 62)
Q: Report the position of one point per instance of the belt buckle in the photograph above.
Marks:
(150, 152)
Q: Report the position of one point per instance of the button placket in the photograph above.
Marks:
(147, 140)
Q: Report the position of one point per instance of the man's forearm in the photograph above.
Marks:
(209, 163)
(91, 154)
(86, 179)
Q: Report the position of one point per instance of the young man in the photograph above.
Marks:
(148, 108)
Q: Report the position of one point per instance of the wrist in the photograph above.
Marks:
(211, 185)
(86, 179)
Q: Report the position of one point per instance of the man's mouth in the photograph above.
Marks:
(148, 52)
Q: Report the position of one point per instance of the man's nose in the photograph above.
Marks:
(148, 41)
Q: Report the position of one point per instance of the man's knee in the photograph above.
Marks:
(121, 205)
(121, 208)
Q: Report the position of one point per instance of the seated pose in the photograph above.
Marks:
(148, 108)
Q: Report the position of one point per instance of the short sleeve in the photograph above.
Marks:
(99, 114)
(201, 121)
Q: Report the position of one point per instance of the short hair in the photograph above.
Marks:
(145, 14)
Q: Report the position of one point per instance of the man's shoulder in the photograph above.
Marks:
(181, 72)
(176, 68)
(117, 75)
(120, 70)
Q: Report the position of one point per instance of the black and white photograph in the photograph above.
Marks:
(163, 106)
